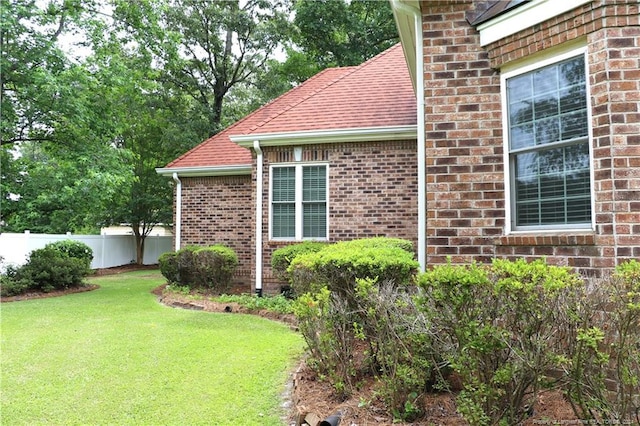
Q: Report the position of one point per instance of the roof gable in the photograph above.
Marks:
(378, 93)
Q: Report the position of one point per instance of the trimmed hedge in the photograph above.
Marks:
(214, 268)
(200, 267)
(340, 265)
(281, 258)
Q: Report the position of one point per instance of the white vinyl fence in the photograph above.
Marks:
(108, 250)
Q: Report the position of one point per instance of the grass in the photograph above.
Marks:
(116, 356)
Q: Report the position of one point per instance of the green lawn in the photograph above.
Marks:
(116, 356)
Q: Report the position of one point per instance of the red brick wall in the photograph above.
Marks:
(372, 192)
(465, 182)
(220, 210)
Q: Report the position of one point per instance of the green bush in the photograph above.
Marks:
(186, 258)
(10, 284)
(49, 269)
(357, 294)
(384, 328)
(327, 326)
(608, 350)
(200, 267)
(339, 265)
(501, 328)
(399, 341)
(282, 257)
(214, 268)
(168, 263)
(75, 249)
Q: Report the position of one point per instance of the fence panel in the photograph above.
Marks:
(108, 250)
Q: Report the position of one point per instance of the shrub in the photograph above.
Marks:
(49, 269)
(327, 327)
(380, 333)
(400, 350)
(607, 352)
(339, 265)
(502, 327)
(282, 257)
(168, 263)
(75, 249)
(11, 284)
(186, 259)
(214, 268)
(357, 295)
(200, 267)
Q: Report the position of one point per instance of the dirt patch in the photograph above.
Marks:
(313, 398)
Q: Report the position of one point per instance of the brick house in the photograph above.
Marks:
(532, 134)
(527, 144)
(333, 159)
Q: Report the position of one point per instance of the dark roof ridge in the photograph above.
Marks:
(350, 70)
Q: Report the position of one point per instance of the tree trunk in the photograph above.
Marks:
(139, 243)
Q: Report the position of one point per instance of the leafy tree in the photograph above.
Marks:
(333, 33)
(30, 62)
(155, 124)
(205, 48)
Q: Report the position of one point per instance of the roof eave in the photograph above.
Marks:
(368, 134)
(234, 170)
(523, 16)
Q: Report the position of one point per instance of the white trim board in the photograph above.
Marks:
(524, 16)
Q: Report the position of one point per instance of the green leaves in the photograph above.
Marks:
(341, 33)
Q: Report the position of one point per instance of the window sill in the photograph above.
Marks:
(548, 239)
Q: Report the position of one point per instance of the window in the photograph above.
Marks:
(548, 146)
(299, 202)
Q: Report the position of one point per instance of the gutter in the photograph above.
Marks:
(362, 134)
(178, 226)
(233, 170)
(398, 6)
(259, 190)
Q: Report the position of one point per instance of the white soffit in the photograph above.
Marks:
(524, 16)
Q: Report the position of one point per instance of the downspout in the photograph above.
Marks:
(422, 167)
(178, 209)
(259, 165)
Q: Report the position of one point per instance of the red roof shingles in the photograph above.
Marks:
(378, 93)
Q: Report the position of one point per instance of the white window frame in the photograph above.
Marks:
(298, 201)
(537, 62)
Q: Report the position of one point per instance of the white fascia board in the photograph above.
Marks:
(205, 171)
(524, 16)
(369, 134)
(406, 30)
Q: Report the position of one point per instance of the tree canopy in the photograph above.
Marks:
(81, 135)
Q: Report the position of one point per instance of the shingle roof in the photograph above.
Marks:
(378, 93)
(491, 9)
